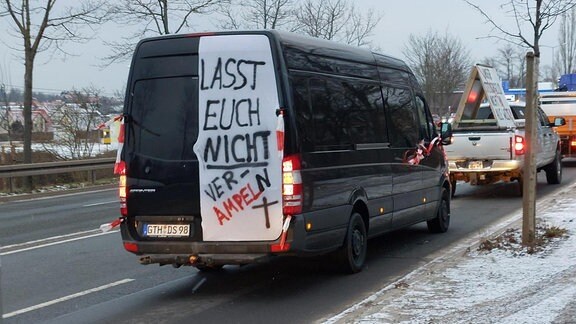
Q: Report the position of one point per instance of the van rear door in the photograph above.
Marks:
(201, 136)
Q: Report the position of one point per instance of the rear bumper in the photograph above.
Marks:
(299, 242)
(462, 166)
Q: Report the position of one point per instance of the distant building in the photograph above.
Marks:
(12, 121)
(519, 94)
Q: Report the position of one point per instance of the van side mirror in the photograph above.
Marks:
(558, 121)
(446, 133)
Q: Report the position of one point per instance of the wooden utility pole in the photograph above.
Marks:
(529, 172)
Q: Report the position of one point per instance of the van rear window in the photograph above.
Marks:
(165, 111)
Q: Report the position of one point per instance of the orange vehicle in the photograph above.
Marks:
(562, 104)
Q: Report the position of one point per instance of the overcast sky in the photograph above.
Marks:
(400, 20)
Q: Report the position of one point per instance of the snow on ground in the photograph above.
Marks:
(60, 150)
(499, 286)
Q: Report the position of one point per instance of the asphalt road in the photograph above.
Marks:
(56, 267)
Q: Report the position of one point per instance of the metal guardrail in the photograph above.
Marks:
(31, 169)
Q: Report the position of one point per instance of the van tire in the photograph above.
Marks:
(352, 255)
(554, 170)
(441, 222)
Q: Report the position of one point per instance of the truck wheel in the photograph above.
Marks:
(554, 170)
(520, 186)
(453, 185)
(353, 254)
(441, 222)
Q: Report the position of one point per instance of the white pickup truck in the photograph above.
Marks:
(484, 153)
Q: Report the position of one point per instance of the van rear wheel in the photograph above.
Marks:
(353, 254)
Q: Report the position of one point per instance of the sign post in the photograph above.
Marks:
(529, 172)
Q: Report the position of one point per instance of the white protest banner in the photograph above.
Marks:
(494, 92)
(240, 169)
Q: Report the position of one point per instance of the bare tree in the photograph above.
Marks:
(337, 20)
(565, 62)
(154, 17)
(259, 14)
(510, 62)
(360, 28)
(441, 64)
(532, 18)
(74, 122)
(42, 25)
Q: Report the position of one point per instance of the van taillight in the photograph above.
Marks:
(519, 145)
(291, 185)
(122, 189)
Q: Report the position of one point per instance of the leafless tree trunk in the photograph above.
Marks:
(538, 16)
(441, 64)
(43, 25)
(155, 17)
(259, 14)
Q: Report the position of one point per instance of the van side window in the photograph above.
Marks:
(404, 128)
(366, 118)
(346, 113)
(303, 112)
(427, 128)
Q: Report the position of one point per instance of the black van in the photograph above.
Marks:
(240, 146)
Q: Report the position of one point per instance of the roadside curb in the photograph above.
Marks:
(440, 262)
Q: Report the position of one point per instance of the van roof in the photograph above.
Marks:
(311, 45)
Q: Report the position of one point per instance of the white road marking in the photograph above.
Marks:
(27, 198)
(103, 203)
(198, 285)
(57, 240)
(59, 300)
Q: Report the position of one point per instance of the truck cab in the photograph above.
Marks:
(562, 104)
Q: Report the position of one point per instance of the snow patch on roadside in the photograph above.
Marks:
(499, 286)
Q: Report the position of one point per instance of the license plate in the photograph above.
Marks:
(475, 165)
(166, 230)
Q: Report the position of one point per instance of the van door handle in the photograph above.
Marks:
(474, 138)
